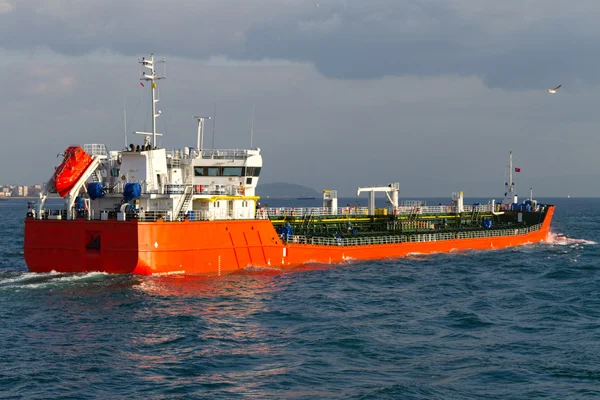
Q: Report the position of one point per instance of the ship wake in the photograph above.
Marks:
(560, 239)
(31, 280)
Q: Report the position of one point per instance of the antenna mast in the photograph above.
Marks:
(152, 77)
(252, 127)
(510, 174)
(125, 121)
(200, 139)
(510, 196)
(214, 123)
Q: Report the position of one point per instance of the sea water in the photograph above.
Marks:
(500, 324)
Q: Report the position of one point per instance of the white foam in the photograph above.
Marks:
(77, 277)
(23, 277)
(169, 273)
(53, 278)
(560, 239)
(258, 268)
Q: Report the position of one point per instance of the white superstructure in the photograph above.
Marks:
(150, 183)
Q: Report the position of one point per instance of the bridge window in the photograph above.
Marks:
(213, 171)
(227, 171)
(253, 171)
(199, 171)
(232, 171)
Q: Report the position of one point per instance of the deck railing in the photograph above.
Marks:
(218, 154)
(95, 149)
(421, 237)
(212, 190)
(351, 210)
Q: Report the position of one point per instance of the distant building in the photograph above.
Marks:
(19, 190)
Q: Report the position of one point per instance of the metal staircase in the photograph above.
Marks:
(475, 216)
(100, 152)
(414, 214)
(96, 176)
(150, 175)
(306, 220)
(185, 200)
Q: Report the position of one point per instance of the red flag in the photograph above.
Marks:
(517, 169)
(142, 84)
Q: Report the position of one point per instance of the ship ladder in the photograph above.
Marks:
(413, 214)
(97, 176)
(475, 215)
(150, 168)
(306, 219)
(188, 193)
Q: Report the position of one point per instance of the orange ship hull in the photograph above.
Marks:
(208, 247)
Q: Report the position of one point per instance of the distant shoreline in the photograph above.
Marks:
(18, 197)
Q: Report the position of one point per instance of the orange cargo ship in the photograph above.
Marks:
(146, 210)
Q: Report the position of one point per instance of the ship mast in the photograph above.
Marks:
(509, 187)
(510, 174)
(200, 138)
(152, 77)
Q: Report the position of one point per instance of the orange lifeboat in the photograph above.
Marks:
(75, 162)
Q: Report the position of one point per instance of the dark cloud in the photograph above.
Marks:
(408, 101)
(513, 45)
(435, 41)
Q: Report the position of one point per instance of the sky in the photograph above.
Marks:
(428, 93)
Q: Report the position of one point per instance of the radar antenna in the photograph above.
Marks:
(152, 77)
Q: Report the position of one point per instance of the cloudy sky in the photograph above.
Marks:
(430, 93)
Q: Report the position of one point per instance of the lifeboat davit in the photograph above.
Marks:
(75, 162)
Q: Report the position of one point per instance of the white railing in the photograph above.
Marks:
(213, 190)
(174, 162)
(442, 209)
(401, 210)
(95, 149)
(423, 237)
(220, 154)
(313, 211)
(192, 215)
(226, 154)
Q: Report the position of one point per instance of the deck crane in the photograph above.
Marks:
(392, 189)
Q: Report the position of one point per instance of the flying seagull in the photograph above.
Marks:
(553, 90)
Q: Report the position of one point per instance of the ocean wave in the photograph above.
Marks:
(31, 280)
(258, 270)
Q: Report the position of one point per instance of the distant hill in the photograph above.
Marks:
(282, 190)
